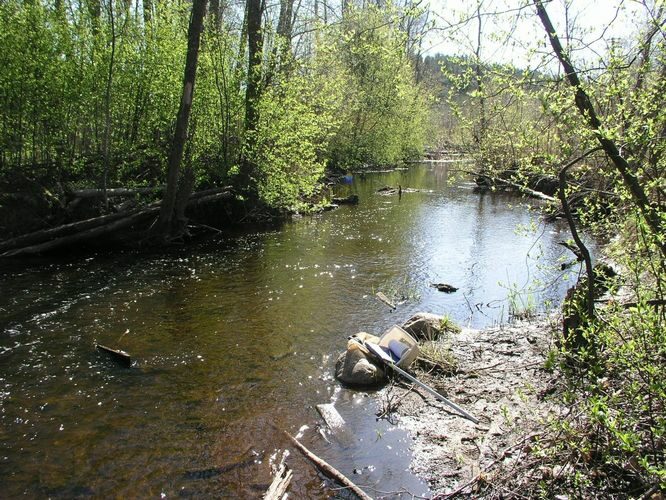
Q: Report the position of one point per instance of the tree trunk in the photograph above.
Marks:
(587, 110)
(216, 12)
(480, 133)
(106, 153)
(255, 46)
(582, 249)
(164, 227)
(284, 28)
(253, 88)
(147, 11)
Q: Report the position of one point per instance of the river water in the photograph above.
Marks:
(235, 339)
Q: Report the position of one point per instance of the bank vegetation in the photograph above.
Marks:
(587, 127)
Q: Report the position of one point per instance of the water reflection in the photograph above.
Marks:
(235, 339)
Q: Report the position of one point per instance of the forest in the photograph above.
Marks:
(101, 95)
(126, 116)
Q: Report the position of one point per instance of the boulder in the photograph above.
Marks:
(354, 366)
(424, 326)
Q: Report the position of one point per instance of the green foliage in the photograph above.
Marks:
(447, 324)
(439, 352)
(620, 388)
(526, 126)
(350, 98)
(386, 111)
(56, 67)
(297, 117)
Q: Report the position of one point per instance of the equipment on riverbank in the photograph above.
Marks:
(397, 348)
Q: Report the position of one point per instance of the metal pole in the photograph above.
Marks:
(371, 349)
(434, 393)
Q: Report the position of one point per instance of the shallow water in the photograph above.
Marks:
(235, 339)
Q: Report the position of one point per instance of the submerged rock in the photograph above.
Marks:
(354, 366)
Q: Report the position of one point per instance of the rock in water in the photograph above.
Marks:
(354, 367)
(444, 287)
(331, 416)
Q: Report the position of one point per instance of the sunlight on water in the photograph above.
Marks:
(235, 339)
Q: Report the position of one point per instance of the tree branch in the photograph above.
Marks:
(587, 110)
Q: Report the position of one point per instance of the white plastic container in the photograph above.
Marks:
(401, 345)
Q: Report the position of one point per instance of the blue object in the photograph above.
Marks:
(397, 349)
(347, 179)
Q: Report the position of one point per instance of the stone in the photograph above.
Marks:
(354, 366)
(424, 326)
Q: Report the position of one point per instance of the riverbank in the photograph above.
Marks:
(502, 379)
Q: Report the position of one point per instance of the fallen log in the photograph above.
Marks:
(51, 239)
(120, 357)
(114, 192)
(95, 232)
(328, 469)
(64, 230)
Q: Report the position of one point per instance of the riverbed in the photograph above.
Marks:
(234, 339)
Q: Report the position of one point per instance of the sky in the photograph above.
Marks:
(515, 35)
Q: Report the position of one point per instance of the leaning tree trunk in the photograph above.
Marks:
(164, 226)
(650, 213)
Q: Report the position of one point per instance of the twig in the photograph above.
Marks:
(205, 226)
(393, 405)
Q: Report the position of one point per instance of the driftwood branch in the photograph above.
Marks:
(523, 189)
(385, 300)
(280, 483)
(117, 355)
(328, 469)
(573, 249)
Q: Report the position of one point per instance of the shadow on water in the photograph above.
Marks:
(236, 337)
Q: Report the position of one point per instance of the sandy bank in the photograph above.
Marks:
(502, 380)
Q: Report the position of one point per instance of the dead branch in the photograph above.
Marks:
(328, 469)
(280, 483)
(523, 189)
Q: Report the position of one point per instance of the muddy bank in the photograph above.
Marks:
(501, 378)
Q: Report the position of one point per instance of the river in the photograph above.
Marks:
(235, 339)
